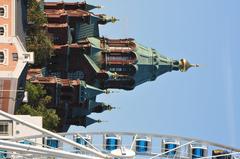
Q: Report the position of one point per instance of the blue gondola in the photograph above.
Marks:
(52, 142)
(221, 152)
(198, 151)
(170, 145)
(112, 141)
(26, 142)
(3, 154)
(83, 140)
(143, 144)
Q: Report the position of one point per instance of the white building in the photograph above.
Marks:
(10, 129)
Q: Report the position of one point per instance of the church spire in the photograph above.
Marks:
(184, 65)
(89, 7)
(106, 19)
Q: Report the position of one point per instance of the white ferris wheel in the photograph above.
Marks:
(110, 145)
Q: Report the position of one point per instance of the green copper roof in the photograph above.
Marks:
(151, 64)
(93, 91)
(89, 92)
(92, 63)
(90, 7)
(94, 41)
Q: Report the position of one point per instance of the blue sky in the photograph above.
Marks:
(202, 103)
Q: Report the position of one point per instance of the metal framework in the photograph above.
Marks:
(98, 146)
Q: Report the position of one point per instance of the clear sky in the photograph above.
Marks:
(202, 103)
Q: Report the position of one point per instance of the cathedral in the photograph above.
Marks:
(85, 64)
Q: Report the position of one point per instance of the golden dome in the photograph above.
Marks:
(184, 65)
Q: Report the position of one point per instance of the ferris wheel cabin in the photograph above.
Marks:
(111, 141)
(143, 144)
(219, 152)
(52, 142)
(197, 151)
(168, 147)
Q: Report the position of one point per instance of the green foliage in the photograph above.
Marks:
(39, 41)
(35, 13)
(37, 106)
(50, 118)
(35, 92)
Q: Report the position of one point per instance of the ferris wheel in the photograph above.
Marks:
(110, 145)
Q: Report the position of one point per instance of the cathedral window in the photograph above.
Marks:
(56, 38)
(75, 75)
(124, 49)
(118, 58)
(114, 69)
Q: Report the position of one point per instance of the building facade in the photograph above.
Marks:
(10, 129)
(13, 56)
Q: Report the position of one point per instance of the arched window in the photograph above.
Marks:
(122, 69)
(2, 11)
(2, 31)
(1, 57)
(119, 58)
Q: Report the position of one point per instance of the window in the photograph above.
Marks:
(118, 69)
(2, 31)
(1, 57)
(3, 11)
(5, 127)
(3, 153)
(15, 56)
(4, 57)
(118, 58)
(52, 143)
(75, 75)
(56, 39)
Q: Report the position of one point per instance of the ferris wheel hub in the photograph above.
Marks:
(122, 152)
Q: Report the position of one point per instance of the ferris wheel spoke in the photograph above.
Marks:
(89, 143)
(158, 155)
(134, 140)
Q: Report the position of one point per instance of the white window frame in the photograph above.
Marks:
(5, 53)
(9, 128)
(5, 26)
(5, 7)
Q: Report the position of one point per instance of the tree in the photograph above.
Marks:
(35, 92)
(38, 41)
(41, 44)
(35, 13)
(37, 106)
